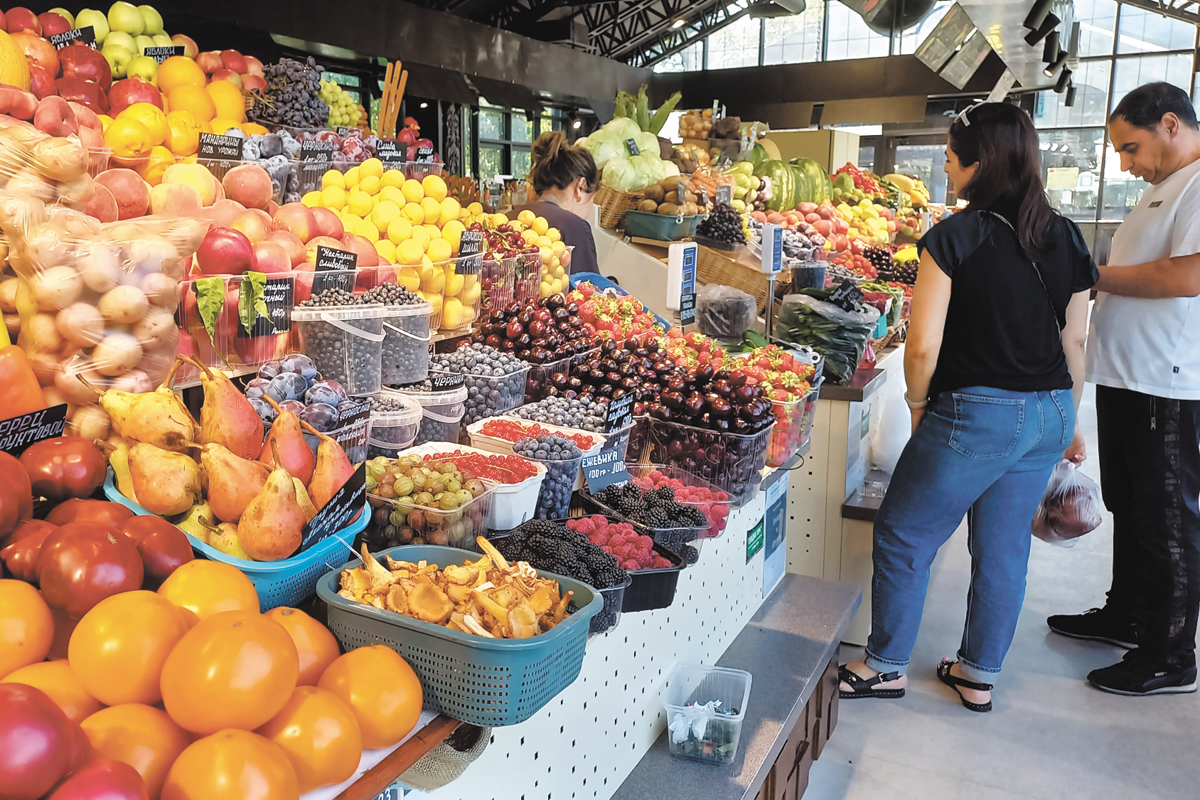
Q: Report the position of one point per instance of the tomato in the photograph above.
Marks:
(61, 684)
(382, 690)
(102, 780)
(231, 765)
(320, 736)
(142, 736)
(205, 588)
(21, 554)
(162, 546)
(119, 647)
(26, 626)
(64, 467)
(64, 626)
(233, 670)
(114, 515)
(315, 645)
(35, 742)
(82, 563)
(16, 497)
(81, 750)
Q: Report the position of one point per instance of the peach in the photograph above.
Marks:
(251, 82)
(322, 241)
(327, 223)
(304, 273)
(86, 117)
(229, 76)
(195, 175)
(175, 199)
(291, 244)
(209, 61)
(224, 212)
(253, 66)
(249, 184)
(102, 206)
(367, 255)
(271, 208)
(129, 190)
(187, 43)
(270, 257)
(254, 223)
(233, 61)
(297, 218)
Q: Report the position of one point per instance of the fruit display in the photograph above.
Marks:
(585, 413)
(512, 431)
(415, 501)
(656, 513)
(495, 380)
(291, 96)
(562, 457)
(790, 183)
(395, 420)
(663, 198)
(345, 341)
(488, 597)
(613, 317)
(619, 167)
(538, 332)
(690, 491)
(903, 266)
(442, 411)
(506, 470)
(343, 111)
(697, 124)
(295, 385)
(633, 551)
(723, 224)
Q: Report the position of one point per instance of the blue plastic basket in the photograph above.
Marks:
(480, 681)
(288, 582)
(601, 282)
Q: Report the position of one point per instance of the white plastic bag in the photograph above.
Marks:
(1070, 507)
(724, 311)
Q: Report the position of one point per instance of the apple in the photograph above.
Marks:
(3, 22)
(86, 63)
(225, 251)
(81, 91)
(152, 21)
(806, 208)
(90, 17)
(251, 82)
(408, 136)
(327, 223)
(118, 59)
(162, 40)
(304, 273)
(38, 51)
(144, 68)
(142, 43)
(291, 245)
(122, 40)
(270, 257)
(22, 19)
(321, 241)
(132, 90)
(41, 82)
(254, 223)
(824, 227)
(187, 43)
(296, 218)
(253, 66)
(125, 17)
(67, 15)
(228, 75)
(210, 62)
(811, 218)
(233, 60)
(53, 23)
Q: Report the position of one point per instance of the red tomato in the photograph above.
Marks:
(162, 546)
(21, 555)
(16, 498)
(35, 742)
(64, 467)
(103, 780)
(82, 563)
(78, 510)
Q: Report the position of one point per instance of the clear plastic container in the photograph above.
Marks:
(442, 414)
(497, 445)
(538, 382)
(554, 498)
(716, 510)
(462, 292)
(393, 431)
(509, 280)
(706, 734)
(732, 462)
(512, 503)
(684, 541)
(229, 345)
(490, 395)
(610, 615)
(793, 426)
(395, 522)
(406, 344)
(346, 342)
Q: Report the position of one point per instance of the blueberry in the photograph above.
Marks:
(263, 408)
(287, 386)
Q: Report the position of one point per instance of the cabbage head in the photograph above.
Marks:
(620, 174)
(647, 142)
(623, 128)
(604, 145)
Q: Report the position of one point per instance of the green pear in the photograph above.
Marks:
(192, 522)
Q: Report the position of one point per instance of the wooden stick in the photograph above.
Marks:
(392, 104)
(383, 103)
(399, 99)
(389, 95)
(383, 774)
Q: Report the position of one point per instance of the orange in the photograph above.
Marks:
(231, 765)
(152, 117)
(205, 588)
(254, 129)
(26, 626)
(222, 124)
(155, 165)
(320, 736)
(180, 70)
(183, 137)
(382, 690)
(141, 736)
(229, 101)
(59, 681)
(315, 645)
(119, 647)
(233, 670)
(187, 97)
(129, 139)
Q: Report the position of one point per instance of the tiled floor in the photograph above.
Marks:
(1050, 736)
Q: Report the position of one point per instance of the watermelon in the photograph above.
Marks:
(758, 154)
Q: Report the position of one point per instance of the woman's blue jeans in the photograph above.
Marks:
(986, 453)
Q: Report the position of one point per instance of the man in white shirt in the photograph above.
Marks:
(1143, 354)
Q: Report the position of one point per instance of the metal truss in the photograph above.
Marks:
(1186, 10)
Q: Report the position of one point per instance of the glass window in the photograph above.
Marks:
(1096, 18)
(491, 164)
(1071, 170)
(925, 161)
(690, 59)
(795, 39)
(491, 124)
(522, 128)
(1133, 72)
(866, 157)
(911, 39)
(1142, 31)
(520, 163)
(849, 36)
(735, 45)
(1091, 99)
(545, 125)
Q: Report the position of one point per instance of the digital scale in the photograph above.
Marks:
(681, 281)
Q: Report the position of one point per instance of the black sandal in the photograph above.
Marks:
(861, 687)
(953, 681)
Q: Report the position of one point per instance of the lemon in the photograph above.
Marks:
(543, 241)
(421, 237)
(540, 226)
(351, 177)
(360, 203)
(409, 252)
(349, 221)
(392, 193)
(526, 217)
(413, 192)
(414, 213)
(433, 280)
(432, 210)
(333, 177)
(311, 199)
(470, 294)
(385, 211)
(386, 250)
(369, 183)
(450, 211)
(439, 250)
(366, 229)
(558, 247)
(392, 178)
(399, 230)
(434, 187)
(371, 168)
(333, 197)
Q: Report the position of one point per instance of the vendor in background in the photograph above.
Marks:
(565, 179)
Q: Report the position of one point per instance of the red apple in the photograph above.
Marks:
(296, 218)
(251, 82)
(367, 255)
(53, 23)
(321, 241)
(187, 43)
(270, 257)
(132, 90)
(86, 63)
(228, 75)
(254, 223)
(257, 349)
(209, 61)
(233, 61)
(253, 66)
(825, 212)
(38, 52)
(824, 227)
(327, 223)
(41, 82)
(407, 136)
(291, 244)
(22, 19)
(225, 251)
(224, 212)
(82, 91)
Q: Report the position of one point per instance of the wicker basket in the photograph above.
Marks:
(614, 204)
(714, 266)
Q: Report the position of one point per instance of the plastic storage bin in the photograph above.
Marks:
(229, 345)
(406, 338)
(346, 342)
(715, 510)
(393, 431)
(287, 582)
(554, 498)
(730, 461)
(392, 520)
(706, 735)
(512, 503)
(462, 292)
(480, 681)
(492, 395)
(650, 225)
(652, 589)
(442, 414)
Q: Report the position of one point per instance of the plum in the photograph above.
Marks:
(263, 408)
(269, 370)
(256, 388)
(287, 386)
(299, 364)
(322, 416)
(325, 392)
(294, 406)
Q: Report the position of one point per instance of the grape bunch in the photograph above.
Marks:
(723, 224)
(343, 111)
(292, 96)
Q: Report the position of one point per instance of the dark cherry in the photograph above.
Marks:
(719, 407)
(672, 399)
(607, 346)
(570, 394)
(722, 387)
(537, 328)
(522, 354)
(493, 341)
(573, 307)
(512, 309)
(561, 315)
(574, 382)
(704, 373)
(613, 378)
(514, 330)
(524, 341)
(694, 404)
(526, 316)
(605, 390)
(676, 384)
(508, 345)
(739, 378)
(574, 321)
(618, 393)
(722, 375)
(659, 411)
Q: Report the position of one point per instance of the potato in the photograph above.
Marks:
(154, 328)
(124, 305)
(56, 288)
(690, 209)
(655, 192)
(669, 184)
(81, 324)
(672, 197)
(135, 382)
(99, 266)
(691, 198)
(61, 159)
(647, 205)
(40, 335)
(669, 210)
(74, 390)
(8, 295)
(161, 290)
(117, 354)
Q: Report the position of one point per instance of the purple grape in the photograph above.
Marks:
(321, 416)
(287, 386)
(294, 406)
(256, 388)
(263, 408)
(326, 393)
(299, 364)
(269, 370)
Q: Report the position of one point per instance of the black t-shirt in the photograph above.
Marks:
(1001, 330)
(575, 232)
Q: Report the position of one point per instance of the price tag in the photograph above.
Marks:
(620, 414)
(216, 146)
(470, 253)
(342, 509)
(772, 249)
(846, 296)
(754, 539)
(681, 190)
(341, 130)
(330, 259)
(446, 382)
(424, 155)
(392, 154)
(278, 294)
(86, 35)
(390, 793)
(702, 196)
(724, 195)
(687, 288)
(604, 469)
(161, 54)
(315, 151)
(19, 433)
(631, 145)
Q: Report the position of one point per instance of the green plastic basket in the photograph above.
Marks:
(480, 681)
(649, 225)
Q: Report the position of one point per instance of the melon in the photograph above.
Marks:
(14, 69)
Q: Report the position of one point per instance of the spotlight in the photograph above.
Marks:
(1050, 49)
(1053, 67)
(1048, 24)
(1069, 99)
(677, 24)
(1064, 78)
(424, 105)
(1037, 14)
(576, 124)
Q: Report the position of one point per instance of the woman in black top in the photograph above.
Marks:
(994, 353)
(566, 179)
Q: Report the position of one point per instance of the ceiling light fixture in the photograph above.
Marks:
(1064, 78)
(1050, 48)
(1069, 98)
(1054, 66)
(677, 24)
(1037, 14)
(424, 105)
(1048, 24)
(576, 124)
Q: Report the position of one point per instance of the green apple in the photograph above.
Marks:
(153, 21)
(122, 40)
(97, 21)
(162, 40)
(67, 15)
(125, 17)
(142, 43)
(118, 59)
(143, 67)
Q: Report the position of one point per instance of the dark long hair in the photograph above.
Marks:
(1000, 138)
(556, 164)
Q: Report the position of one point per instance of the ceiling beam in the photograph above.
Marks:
(1187, 11)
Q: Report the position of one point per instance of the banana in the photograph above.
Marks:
(904, 182)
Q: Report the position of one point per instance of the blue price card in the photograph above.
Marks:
(687, 288)
(393, 792)
(607, 467)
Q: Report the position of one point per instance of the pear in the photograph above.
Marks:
(332, 471)
(227, 418)
(166, 483)
(224, 537)
(293, 452)
(196, 521)
(157, 418)
(304, 500)
(232, 481)
(271, 527)
(118, 459)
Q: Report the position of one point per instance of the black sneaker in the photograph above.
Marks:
(1139, 677)
(1097, 625)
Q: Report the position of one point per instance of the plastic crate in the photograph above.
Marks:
(716, 510)
(455, 528)
(287, 582)
(480, 681)
(732, 462)
(650, 225)
(496, 445)
(512, 503)
(693, 684)
(601, 282)
(650, 589)
(511, 280)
